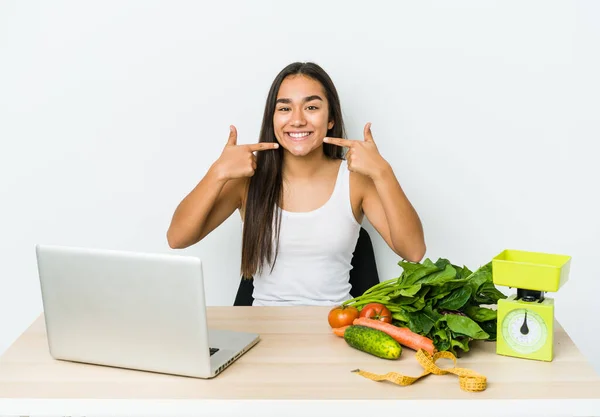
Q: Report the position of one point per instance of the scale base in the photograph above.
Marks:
(525, 328)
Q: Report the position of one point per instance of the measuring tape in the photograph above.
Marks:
(468, 380)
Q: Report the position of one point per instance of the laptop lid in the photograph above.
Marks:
(125, 309)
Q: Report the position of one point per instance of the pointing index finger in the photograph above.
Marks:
(262, 146)
(339, 142)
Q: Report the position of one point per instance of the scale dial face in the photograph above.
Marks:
(524, 330)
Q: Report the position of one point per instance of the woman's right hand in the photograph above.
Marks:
(238, 161)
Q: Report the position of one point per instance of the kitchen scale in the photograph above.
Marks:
(526, 319)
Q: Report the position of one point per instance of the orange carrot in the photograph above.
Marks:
(339, 331)
(402, 335)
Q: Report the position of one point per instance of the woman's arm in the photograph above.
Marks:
(208, 205)
(217, 196)
(391, 213)
(383, 200)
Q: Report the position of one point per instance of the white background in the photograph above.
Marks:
(111, 112)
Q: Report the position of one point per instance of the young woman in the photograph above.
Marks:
(302, 200)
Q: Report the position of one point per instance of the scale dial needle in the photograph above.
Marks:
(524, 328)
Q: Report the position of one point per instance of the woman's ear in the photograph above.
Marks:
(330, 125)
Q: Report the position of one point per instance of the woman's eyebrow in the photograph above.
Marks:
(306, 99)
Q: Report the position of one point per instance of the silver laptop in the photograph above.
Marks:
(132, 310)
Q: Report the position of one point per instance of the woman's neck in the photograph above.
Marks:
(304, 166)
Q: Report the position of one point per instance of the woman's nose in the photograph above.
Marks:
(298, 119)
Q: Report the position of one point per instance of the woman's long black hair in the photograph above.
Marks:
(262, 216)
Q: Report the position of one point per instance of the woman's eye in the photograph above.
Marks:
(284, 108)
(313, 108)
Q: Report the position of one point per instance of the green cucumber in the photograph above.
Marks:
(372, 341)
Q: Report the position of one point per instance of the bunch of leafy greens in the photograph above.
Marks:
(441, 301)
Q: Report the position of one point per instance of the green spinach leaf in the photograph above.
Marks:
(480, 313)
(465, 326)
(456, 299)
(441, 339)
(488, 294)
(416, 274)
(439, 277)
(461, 342)
(480, 277)
(422, 321)
(410, 291)
(491, 328)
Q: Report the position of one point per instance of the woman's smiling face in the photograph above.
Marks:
(301, 118)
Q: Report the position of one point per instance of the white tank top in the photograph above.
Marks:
(315, 253)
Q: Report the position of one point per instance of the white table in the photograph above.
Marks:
(299, 368)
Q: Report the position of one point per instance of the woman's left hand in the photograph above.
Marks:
(362, 156)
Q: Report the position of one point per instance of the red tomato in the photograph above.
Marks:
(376, 311)
(342, 316)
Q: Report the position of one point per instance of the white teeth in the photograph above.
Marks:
(299, 135)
